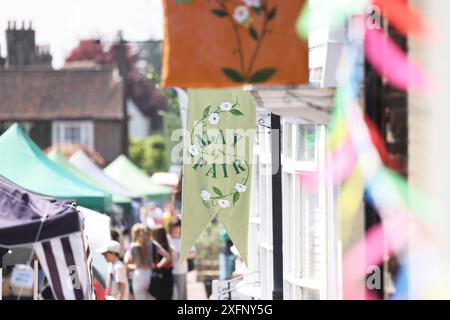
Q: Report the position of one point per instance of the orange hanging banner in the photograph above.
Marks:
(404, 17)
(228, 43)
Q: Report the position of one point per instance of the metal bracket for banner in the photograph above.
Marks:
(73, 205)
(262, 123)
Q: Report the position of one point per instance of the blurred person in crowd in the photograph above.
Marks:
(116, 236)
(226, 258)
(116, 280)
(156, 213)
(170, 215)
(163, 263)
(146, 219)
(179, 270)
(138, 262)
(128, 261)
(151, 215)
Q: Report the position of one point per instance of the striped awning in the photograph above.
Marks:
(55, 231)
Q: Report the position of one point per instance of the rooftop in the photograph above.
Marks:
(45, 94)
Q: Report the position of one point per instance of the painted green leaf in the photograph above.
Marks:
(236, 196)
(233, 75)
(257, 10)
(272, 13)
(219, 12)
(262, 75)
(253, 33)
(236, 112)
(218, 192)
(236, 103)
(206, 111)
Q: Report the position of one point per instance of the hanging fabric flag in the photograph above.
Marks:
(392, 63)
(217, 164)
(349, 202)
(330, 14)
(405, 18)
(227, 43)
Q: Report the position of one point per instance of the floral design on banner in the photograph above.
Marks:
(241, 17)
(226, 43)
(199, 147)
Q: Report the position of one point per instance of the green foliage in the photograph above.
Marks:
(172, 100)
(149, 153)
(171, 117)
(172, 122)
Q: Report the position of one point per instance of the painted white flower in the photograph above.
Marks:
(226, 106)
(193, 150)
(224, 203)
(241, 14)
(206, 196)
(253, 3)
(240, 187)
(213, 118)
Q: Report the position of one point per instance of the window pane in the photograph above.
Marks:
(311, 236)
(288, 212)
(287, 140)
(306, 142)
(72, 134)
(298, 240)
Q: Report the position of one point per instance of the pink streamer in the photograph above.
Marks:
(388, 237)
(392, 63)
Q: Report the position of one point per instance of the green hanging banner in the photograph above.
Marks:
(217, 164)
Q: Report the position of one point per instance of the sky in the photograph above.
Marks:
(60, 24)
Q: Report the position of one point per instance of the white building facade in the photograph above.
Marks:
(312, 246)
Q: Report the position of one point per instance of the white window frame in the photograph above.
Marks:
(86, 132)
(327, 284)
(260, 225)
(260, 229)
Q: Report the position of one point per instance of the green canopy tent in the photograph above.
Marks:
(129, 175)
(23, 163)
(61, 160)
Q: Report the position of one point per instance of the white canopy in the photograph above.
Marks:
(85, 164)
(165, 178)
(97, 230)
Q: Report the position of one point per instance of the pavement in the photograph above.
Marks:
(196, 290)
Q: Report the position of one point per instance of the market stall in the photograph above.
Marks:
(23, 163)
(54, 229)
(122, 204)
(129, 175)
(81, 161)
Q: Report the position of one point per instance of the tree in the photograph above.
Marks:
(141, 89)
(149, 154)
(91, 49)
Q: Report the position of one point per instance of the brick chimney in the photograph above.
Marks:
(43, 56)
(20, 45)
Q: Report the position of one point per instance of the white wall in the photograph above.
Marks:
(429, 157)
(138, 124)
